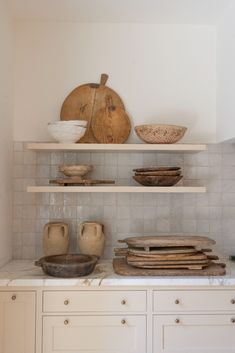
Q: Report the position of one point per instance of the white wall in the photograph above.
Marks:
(165, 74)
(226, 76)
(6, 127)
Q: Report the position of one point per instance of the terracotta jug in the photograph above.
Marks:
(91, 238)
(55, 238)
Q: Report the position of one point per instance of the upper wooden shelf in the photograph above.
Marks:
(96, 147)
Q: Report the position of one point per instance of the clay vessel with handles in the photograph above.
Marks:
(56, 238)
(91, 238)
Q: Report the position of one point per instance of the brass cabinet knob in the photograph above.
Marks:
(66, 302)
(66, 322)
(13, 297)
(177, 321)
(233, 320)
(123, 302)
(232, 301)
(177, 301)
(123, 321)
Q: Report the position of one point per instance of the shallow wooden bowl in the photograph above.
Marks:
(161, 173)
(68, 266)
(156, 169)
(160, 133)
(157, 180)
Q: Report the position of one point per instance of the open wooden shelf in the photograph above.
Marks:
(118, 189)
(96, 147)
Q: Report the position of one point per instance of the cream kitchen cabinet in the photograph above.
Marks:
(94, 334)
(116, 314)
(17, 322)
(194, 333)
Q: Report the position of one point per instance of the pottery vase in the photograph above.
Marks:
(55, 238)
(91, 238)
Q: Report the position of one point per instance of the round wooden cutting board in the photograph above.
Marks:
(85, 101)
(111, 125)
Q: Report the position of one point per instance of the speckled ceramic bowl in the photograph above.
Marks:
(155, 133)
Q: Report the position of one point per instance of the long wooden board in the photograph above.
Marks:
(79, 181)
(147, 242)
(121, 267)
(169, 257)
(163, 250)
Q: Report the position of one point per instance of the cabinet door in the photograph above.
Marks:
(194, 334)
(94, 334)
(17, 322)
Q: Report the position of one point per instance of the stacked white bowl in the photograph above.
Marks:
(67, 131)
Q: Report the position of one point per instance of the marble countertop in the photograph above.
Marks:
(24, 273)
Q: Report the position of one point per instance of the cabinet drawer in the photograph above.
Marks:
(96, 334)
(94, 301)
(194, 334)
(173, 301)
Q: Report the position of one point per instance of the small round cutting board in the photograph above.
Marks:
(111, 125)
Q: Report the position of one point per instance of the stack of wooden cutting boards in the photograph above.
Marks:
(167, 255)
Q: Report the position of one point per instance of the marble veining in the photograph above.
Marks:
(24, 273)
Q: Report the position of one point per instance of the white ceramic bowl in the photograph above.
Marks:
(66, 133)
(75, 170)
(74, 122)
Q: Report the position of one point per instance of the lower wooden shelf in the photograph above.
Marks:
(116, 189)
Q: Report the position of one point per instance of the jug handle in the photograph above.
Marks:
(97, 230)
(64, 226)
(80, 228)
(46, 229)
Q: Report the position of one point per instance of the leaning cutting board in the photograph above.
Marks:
(167, 240)
(121, 267)
(111, 124)
(84, 102)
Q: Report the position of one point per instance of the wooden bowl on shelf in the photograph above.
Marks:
(157, 180)
(160, 133)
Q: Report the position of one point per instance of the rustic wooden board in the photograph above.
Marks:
(168, 257)
(179, 266)
(122, 268)
(111, 125)
(158, 264)
(163, 250)
(84, 102)
(168, 240)
(79, 181)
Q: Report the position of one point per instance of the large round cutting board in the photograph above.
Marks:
(85, 101)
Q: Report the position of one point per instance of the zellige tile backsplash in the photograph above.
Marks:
(211, 214)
